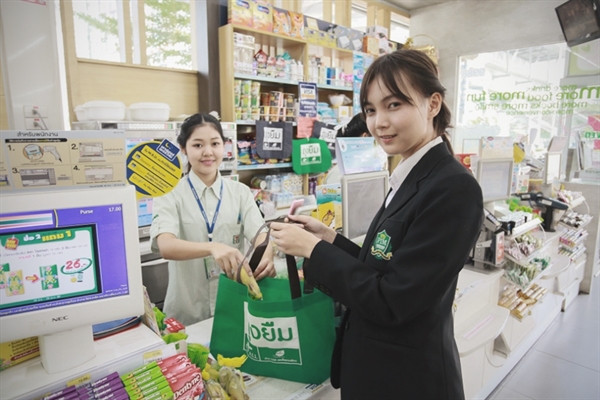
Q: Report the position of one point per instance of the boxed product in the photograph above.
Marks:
(239, 12)
(17, 351)
(281, 22)
(346, 38)
(317, 31)
(371, 45)
(262, 15)
(377, 31)
(329, 205)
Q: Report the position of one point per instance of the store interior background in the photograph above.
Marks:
(33, 64)
(35, 72)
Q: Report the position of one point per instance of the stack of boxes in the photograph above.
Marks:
(376, 41)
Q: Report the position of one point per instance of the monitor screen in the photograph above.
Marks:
(553, 161)
(495, 176)
(68, 261)
(579, 20)
(362, 196)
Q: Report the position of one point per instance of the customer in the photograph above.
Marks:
(201, 224)
(396, 340)
(356, 127)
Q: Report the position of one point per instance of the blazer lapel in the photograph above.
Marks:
(410, 186)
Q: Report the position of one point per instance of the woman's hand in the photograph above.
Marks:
(227, 258)
(314, 226)
(293, 239)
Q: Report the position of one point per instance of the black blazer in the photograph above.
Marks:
(397, 338)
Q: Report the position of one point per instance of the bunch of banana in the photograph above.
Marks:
(232, 381)
(215, 390)
(250, 283)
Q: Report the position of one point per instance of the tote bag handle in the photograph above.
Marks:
(259, 251)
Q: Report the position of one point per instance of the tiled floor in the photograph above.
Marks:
(565, 362)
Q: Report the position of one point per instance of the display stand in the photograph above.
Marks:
(122, 353)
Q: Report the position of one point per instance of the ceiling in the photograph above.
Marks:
(410, 5)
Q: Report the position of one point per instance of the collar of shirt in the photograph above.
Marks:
(201, 186)
(406, 165)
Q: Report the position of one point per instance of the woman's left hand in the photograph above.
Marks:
(293, 240)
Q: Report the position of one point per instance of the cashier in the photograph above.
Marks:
(200, 226)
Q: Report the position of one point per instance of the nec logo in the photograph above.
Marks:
(59, 319)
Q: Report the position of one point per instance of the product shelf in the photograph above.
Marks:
(253, 122)
(335, 87)
(560, 263)
(250, 167)
(524, 228)
(261, 78)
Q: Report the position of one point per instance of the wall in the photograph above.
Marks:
(461, 28)
(30, 54)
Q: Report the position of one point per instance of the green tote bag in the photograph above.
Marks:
(284, 337)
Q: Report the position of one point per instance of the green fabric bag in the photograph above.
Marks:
(310, 156)
(284, 338)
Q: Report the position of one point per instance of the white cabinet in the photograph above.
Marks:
(591, 191)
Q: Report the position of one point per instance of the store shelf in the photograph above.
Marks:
(560, 263)
(526, 227)
(264, 79)
(577, 202)
(263, 166)
(335, 87)
(253, 122)
(481, 328)
(526, 260)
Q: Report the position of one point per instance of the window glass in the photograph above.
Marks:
(530, 94)
(359, 18)
(165, 28)
(313, 8)
(168, 33)
(97, 33)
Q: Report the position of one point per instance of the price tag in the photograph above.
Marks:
(80, 380)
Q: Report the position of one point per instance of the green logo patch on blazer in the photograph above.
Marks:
(381, 248)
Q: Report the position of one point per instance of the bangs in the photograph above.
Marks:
(386, 69)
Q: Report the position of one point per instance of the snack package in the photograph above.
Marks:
(296, 24)
(262, 15)
(239, 12)
(281, 22)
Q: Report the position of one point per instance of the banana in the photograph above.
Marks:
(234, 362)
(250, 283)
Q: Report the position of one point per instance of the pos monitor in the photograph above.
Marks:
(70, 259)
(495, 176)
(362, 196)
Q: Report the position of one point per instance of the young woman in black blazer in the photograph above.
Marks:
(396, 339)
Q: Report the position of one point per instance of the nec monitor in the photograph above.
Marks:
(362, 196)
(70, 259)
(579, 21)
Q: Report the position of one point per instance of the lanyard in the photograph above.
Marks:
(210, 227)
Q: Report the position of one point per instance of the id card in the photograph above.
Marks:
(212, 268)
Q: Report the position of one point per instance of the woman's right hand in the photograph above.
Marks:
(227, 258)
(314, 226)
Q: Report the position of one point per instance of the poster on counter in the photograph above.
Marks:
(37, 160)
(154, 167)
(356, 155)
